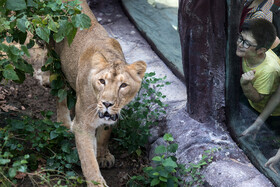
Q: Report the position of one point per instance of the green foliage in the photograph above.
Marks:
(163, 173)
(167, 172)
(194, 169)
(38, 20)
(27, 144)
(59, 86)
(132, 131)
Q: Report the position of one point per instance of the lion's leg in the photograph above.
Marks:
(63, 113)
(86, 146)
(104, 157)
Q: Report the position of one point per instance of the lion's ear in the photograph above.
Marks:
(139, 67)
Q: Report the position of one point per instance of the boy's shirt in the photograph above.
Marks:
(266, 81)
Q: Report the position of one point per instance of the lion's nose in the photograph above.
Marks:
(107, 104)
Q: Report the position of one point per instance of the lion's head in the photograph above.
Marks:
(115, 85)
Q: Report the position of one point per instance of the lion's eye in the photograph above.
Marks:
(123, 85)
(102, 81)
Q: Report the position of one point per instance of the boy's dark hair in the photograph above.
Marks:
(263, 32)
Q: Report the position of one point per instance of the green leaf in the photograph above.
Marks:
(53, 135)
(168, 137)
(52, 25)
(62, 94)
(25, 50)
(172, 148)
(163, 179)
(81, 20)
(71, 101)
(65, 147)
(22, 169)
(53, 6)
(23, 66)
(17, 124)
(21, 76)
(12, 172)
(160, 150)
(9, 73)
(157, 158)
(43, 33)
(14, 50)
(30, 44)
(71, 35)
(4, 161)
(4, 47)
(9, 39)
(21, 24)
(155, 182)
(156, 174)
(138, 152)
(169, 163)
(31, 3)
(59, 36)
(15, 4)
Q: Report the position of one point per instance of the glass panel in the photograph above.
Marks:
(157, 21)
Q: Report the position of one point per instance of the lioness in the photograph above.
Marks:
(95, 67)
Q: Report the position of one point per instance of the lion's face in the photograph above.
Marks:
(115, 86)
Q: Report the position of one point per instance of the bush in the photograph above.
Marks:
(137, 117)
(28, 146)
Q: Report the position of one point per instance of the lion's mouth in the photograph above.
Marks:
(108, 116)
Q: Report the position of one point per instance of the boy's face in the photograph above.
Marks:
(246, 45)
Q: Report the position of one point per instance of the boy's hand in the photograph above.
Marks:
(246, 78)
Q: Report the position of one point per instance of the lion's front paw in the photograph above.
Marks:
(106, 161)
(98, 183)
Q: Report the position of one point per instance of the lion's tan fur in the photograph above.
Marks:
(92, 58)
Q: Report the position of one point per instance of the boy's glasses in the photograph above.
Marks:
(246, 44)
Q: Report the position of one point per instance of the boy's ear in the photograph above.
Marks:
(261, 50)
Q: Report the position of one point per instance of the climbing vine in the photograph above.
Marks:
(25, 22)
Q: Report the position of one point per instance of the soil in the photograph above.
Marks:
(30, 98)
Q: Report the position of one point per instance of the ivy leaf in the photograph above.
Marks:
(160, 149)
(12, 172)
(53, 6)
(22, 168)
(65, 147)
(21, 24)
(157, 158)
(71, 101)
(71, 33)
(52, 25)
(155, 182)
(59, 36)
(25, 50)
(14, 50)
(168, 137)
(53, 135)
(172, 148)
(4, 161)
(43, 33)
(81, 21)
(9, 73)
(31, 3)
(30, 44)
(4, 47)
(16, 124)
(23, 66)
(15, 5)
(169, 163)
(62, 94)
